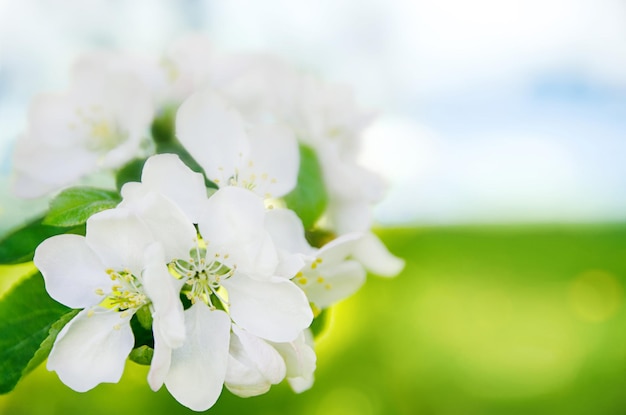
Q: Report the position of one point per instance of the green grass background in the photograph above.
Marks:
(484, 320)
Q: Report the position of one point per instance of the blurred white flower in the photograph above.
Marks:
(98, 123)
(103, 273)
(261, 158)
(322, 116)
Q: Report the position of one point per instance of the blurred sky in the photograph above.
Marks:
(491, 110)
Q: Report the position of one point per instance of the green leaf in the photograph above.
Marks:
(309, 198)
(145, 317)
(130, 172)
(45, 347)
(75, 205)
(319, 237)
(19, 246)
(162, 127)
(143, 335)
(27, 315)
(142, 355)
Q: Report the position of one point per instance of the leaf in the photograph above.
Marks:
(75, 205)
(309, 198)
(130, 172)
(145, 317)
(45, 347)
(142, 355)
(27, 315)
(162, 127)
(19, 246)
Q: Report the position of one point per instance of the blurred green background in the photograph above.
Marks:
(484, 320)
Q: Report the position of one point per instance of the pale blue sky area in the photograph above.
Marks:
(491, 111)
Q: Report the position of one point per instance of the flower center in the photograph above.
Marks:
(311, 275)
(248, 176)
(126, 292)
(203, 274)
(101, 133)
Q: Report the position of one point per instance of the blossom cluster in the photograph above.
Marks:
(208, 256)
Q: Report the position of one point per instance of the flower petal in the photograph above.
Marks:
(300, 361)
(163, 290)
(273, 161)
(168, 175)
(167, 224)
(287, 231)
(71, 270)
(254, 365)
(275, 310)
(233, 224)
(92, 349)
(244, 380)
(161, 361)
(334, 282)
(375, 257)
(213, 134)
(340, 248)
(119, 238)
(198, 367)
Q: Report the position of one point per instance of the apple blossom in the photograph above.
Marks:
(97, 124)
(103, 272)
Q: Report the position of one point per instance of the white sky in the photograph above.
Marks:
(461, 60)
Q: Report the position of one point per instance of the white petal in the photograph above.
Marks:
(275, 310)
(243, 380)
(340, 248)
(71, 271)
(287, 231)
(334, 282)
(119, 238)
(300, 360)
(92, 349)
(349, 215)
(273, 162)
(213, 134)
(375, 257)
(38, 170)
(161, 361)
(168, 175)
(198, 367)
(163, 290)
(259, 352)
(232, 214)
(167, 224)
(254, 365)
(233, 224)
(289, 265)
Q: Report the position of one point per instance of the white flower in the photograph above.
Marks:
(97, 124)
(228, 273)
(261, 158)
(186, 66)
(337, 269)
(321, 115)
(103, 273)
